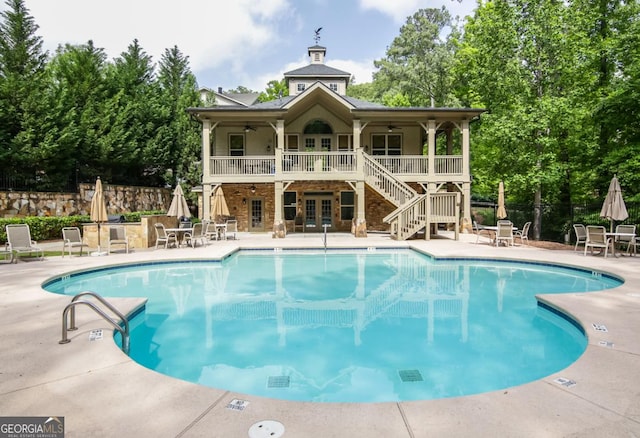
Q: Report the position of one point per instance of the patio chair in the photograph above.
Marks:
(625, 242)
(478, 231)
(581, 235)
(523, 234)
(504, 233)
(210, 231)
(597, 238)
(19, 241)
(232, 229)
(197, 235)
(71, 238)
(118, 236)
(163, 237)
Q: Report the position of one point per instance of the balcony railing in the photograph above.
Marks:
(332, 162)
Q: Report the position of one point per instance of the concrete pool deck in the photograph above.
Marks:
(102, 393)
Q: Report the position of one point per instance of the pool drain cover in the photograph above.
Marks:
(266, 429)
(410, 375)
(278, 382)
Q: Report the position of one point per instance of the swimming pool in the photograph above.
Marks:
(350, 326)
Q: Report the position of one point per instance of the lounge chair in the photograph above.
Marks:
(231, 229)
(581, 235)
(523, 234)
(19, 241)
(196, 235)
(504, 233)
(118, 236)
(597, 238)
(71, 238)
(163, 237)
(210, 231)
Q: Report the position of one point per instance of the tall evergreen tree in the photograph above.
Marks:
(177, 144)
(22, 80)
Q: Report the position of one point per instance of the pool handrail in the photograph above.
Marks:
(124, 332)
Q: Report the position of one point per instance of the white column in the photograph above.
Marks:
(431, 147)
(206, 170)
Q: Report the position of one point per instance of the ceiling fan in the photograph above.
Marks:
(248, 128)
(392, 127)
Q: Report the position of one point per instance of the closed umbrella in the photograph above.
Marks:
(179, 207)
(98, 209)
(613, 207)
(219, 204)
(502, 211)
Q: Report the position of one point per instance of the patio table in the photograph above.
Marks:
(180, 232)
(614, 238)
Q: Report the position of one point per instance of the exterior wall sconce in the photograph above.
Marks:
(252, 188)
(269, 147)
(244, 201)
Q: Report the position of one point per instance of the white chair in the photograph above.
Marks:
(597, 238)
(625, 242)
(504, 233)
(71, 238)
(231, 229)
(197, 235)
(581, 235)
(478, 231)
(118, 236)
(19, 241)
(523, 234)
(163, 237)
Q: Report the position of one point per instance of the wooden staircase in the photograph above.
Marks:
(414, 211)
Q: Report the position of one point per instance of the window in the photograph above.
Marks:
(386, 144)
(292, 142)
(301, 87)
(325, 143)
(316, 57)
(344, 142)
(347, 205)
(290, 204)
(333, 87)
(236, 145)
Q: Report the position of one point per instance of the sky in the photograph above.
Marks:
(233, 43)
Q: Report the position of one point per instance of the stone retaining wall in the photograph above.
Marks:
(119, 199)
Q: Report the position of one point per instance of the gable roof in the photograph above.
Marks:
(316, 70)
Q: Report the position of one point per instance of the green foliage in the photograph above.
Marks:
(275, 90)
(418, 62)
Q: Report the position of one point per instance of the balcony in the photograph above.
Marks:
(302, 166)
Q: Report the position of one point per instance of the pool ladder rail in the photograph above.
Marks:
(70, 310)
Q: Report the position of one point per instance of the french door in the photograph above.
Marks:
(317, 212)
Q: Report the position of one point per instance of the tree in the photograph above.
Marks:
(275, 90)
(22, 81)
(418, 61)
(519, 59)
(79, 91)
(177, 142)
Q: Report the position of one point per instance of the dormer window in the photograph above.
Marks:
(333, 87)
(301, 88)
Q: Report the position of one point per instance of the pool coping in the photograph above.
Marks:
(101, 392)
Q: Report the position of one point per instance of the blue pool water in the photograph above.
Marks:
(347, 326)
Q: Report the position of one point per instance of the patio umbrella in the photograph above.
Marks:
(178, 207)
(613, 207)
(502, 212)
(219, 204)
(98, 208)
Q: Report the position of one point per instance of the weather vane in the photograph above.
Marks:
(317, 37)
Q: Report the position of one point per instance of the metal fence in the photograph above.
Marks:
(557, 219)
(15, 183)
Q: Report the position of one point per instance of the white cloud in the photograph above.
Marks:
(399, 10)
(211, 33)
